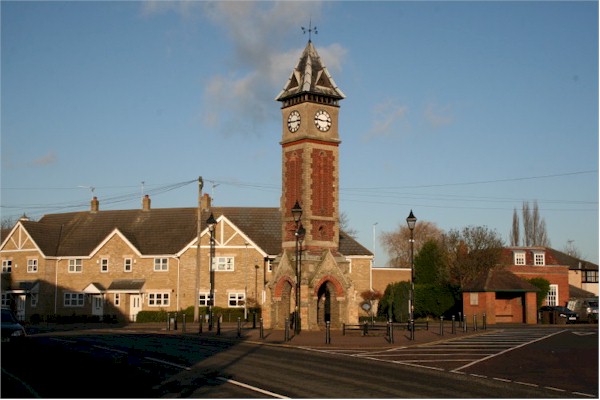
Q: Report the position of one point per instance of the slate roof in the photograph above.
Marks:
(310, 76)
(159, 231)
(579, 293)
(499, 280)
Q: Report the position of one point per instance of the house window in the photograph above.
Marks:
(158, 299)
(590, 277)
(539, 259)
(104, 265)
(73, 300)
(5, 300)
(236, 299)
(127, 265)
(34, 300)
(75, 265)
(520, 258)
(552, 296)
(6, 266)
(203, 299)
(117, 299)
(474, 299)
(222, 264)
(32, 265)
(161, 264)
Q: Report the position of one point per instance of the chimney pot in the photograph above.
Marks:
(95, 205)
(146, 203)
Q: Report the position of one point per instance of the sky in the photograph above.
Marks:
(459, 111)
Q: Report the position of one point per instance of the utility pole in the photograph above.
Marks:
(198, 256)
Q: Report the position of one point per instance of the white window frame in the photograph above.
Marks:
(117, 299)
(5, 300)
(203, 299)
(590, 276)
(73, 299)
(128, 264)
(236, 299)
(520, 258)
(539, 258)
(75, 265)
(32, 265)
(161, 264)
(158, 299)
(552, 296)
(223, 263)
(104, 265)
(6, 266)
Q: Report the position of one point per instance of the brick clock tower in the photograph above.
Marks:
(310, 178)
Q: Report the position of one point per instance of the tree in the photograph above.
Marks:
(571, 249)
(514, 233)
(397, 243)
(534, 227)
(428, 263)
(544, 286)
(345, 226)
(469, 253)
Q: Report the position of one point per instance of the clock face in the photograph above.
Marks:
(322, 120)
(294, 121)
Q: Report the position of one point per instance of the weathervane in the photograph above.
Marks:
(310, 29)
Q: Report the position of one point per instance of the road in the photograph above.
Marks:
(134, 365)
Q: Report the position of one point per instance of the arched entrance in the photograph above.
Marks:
(327, 309)
(284, 306)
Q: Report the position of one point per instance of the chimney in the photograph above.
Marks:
(146, 203)
(205, 204)
(26, 218)
(95, 205)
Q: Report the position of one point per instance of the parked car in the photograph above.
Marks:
(12, 330)
(587, 308)
(558, 313)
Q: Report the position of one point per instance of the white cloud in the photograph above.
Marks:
(389, 119)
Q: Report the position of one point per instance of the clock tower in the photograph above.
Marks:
(311, 283)
(310, 151)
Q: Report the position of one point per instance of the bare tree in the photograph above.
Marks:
(534, 227)
(345, 226)
(397, 243)
(470, 252)
(571, 249)
(514, 233)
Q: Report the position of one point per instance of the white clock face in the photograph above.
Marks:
(322, 120)
(294, 121)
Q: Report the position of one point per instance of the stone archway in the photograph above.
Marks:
(283, 302)
(327, 305)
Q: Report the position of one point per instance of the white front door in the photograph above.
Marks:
(20, 307)
(135, 306)
(98, 305)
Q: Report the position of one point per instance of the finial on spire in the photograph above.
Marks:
(310, 29)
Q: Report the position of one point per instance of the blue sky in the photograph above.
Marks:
(460, 111)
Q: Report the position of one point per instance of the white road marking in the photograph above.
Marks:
(254, 388)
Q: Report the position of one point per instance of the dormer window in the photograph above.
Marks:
(519, 258)
(539, 258)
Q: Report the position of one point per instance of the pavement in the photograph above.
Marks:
(314, 339)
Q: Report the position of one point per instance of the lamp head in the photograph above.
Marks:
(211, 222)
(411, 220)
(296, 212)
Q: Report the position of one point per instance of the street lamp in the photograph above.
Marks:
(411, 220)
(299, 233)
(211, 222)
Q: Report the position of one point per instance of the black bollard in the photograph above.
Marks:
(474, 322)
(327, 332)
(442, 325)
(464, 323)
(239, 327)
(254, 320)
(453, 327)
(168, 321)
(484, 323)
(262, 332)
(183, 322)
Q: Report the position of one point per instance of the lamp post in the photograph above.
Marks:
(299, 233)
(411, 220)
(211, 222)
